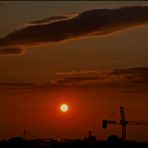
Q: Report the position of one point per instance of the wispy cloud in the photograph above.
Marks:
(131, 80)
(90, 23)
(82, 72)
(128, 80)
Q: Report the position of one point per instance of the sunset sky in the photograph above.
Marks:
(92, 56)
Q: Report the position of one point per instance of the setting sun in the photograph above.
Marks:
(64, 107)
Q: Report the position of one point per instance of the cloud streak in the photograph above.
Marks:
(17, 85)
(52, 19)
(90, 23)
(11, 51)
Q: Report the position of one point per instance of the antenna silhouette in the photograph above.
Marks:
(123, 122)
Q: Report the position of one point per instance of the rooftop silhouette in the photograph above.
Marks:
(87, 142)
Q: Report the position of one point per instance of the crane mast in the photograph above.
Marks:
(123, 122)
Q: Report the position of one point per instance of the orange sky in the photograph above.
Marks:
(38, 112)
(94, 75)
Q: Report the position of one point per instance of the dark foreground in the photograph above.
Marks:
(88, 142)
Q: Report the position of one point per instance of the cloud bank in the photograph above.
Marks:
(133, 80)
(89, 23)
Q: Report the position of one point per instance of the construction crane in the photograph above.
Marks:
(123, 122)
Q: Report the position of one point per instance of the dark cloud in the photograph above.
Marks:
(90, 23)
(134, 75)
(137, 70)
(11, 51)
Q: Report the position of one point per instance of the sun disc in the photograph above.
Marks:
(64, 107)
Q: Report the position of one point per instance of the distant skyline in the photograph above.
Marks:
(91, 55)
